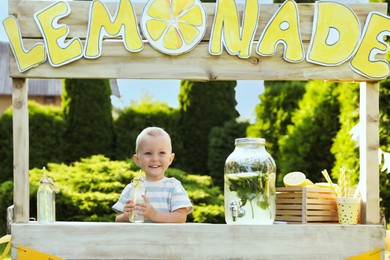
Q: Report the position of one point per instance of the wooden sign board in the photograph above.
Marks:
(197, 64)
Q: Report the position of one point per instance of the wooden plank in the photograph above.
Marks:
(117, 62)
(322, 219)
(288, 212)
(321, 201)
(78, 19)
(21, 149)
(290, 201)
(322, 213)
(289, 206)
(197, 241)
(318, 207)
(369, 145)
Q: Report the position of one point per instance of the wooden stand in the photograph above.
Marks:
(122, 241)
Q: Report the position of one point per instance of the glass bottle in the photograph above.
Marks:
(137, 190)
(46, 208)
(249, 183)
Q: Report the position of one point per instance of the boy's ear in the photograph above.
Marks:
(136, 159)
(172, 157)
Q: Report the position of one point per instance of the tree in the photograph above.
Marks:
(202, 106)
(274, 112)
(306, 147)
(384, 141)
(87, 113)
(344, 149)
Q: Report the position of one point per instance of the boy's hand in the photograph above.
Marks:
(128, 208)
(146, 209)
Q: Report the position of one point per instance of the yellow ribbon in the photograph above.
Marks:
(5, 239)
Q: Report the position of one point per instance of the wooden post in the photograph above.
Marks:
(369, 145)
(21, 149)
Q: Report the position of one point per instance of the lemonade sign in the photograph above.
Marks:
(175, 27)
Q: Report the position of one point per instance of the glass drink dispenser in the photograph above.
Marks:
(249, 183)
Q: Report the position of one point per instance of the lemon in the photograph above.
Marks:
(173, 26)
(294, 179)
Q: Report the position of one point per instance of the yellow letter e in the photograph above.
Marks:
(59, 52)
(372, 43)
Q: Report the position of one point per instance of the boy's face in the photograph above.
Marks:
(154, 156)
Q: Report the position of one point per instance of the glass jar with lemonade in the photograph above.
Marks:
(249, 183)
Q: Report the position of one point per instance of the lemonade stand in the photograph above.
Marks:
(185, 39)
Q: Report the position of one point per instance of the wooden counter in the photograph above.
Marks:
(92, 240)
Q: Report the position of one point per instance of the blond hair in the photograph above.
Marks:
(150, 131)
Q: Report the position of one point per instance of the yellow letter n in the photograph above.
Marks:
(227, 30)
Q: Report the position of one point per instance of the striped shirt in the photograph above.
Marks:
(165, 195)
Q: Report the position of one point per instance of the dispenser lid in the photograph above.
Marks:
(249, 141)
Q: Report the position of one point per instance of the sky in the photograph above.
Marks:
(247, 91)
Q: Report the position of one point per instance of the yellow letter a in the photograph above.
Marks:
(283, 28)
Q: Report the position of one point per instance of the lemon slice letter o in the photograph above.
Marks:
(173, 27)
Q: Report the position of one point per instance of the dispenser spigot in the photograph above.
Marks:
(236, 210)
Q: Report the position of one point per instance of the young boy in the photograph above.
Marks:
(165, 200)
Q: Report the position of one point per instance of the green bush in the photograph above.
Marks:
(6, 146)
(90, 187)
(46, 128)
(6, 200)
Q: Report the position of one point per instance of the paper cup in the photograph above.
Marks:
(348, 210)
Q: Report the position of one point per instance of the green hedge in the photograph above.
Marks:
(46, 129)
(90, 187)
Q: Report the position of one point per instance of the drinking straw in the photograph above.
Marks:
(356, 193)
(347, 182)
(329, 180)
(342, 182)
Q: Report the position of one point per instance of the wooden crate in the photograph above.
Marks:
(306, 205)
